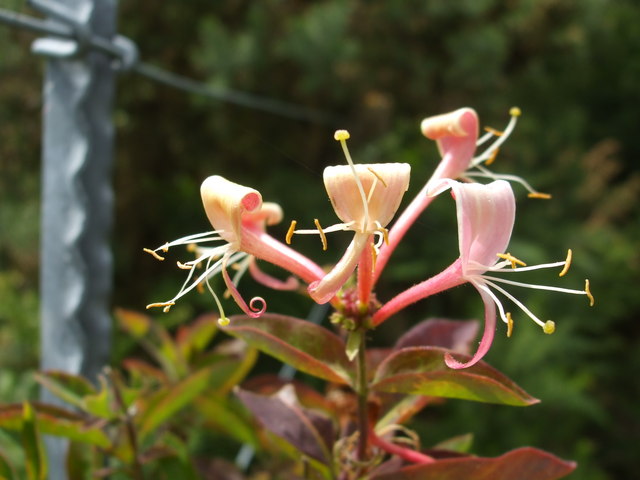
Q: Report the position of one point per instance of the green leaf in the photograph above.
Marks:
(422, 371)
(79, 462)
(67, 387)
(135, 324)
(460, 443)
(308, 347)
(6, 470)
(57, 421)
(220, 415)
(521, 464)
(168, 402)
(193, 338)
(35, 459)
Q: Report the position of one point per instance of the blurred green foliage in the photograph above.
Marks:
(378, 68)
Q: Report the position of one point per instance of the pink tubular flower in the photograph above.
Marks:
(457, 136)
(486, 214)
(239, 218)
(365, 198)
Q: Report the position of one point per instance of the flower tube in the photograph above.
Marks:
(486, 215)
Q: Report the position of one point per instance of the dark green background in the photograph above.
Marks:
(378, 68)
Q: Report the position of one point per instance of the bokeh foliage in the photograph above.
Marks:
(378, 68)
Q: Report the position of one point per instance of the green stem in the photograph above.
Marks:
(363, 393)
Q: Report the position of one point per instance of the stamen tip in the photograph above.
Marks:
(291, 231)
(341, 135)
(154, 253)
(509, 325)
(540, 195)
(587, 290)
(223, 321)
(515, 112)
(549, 327)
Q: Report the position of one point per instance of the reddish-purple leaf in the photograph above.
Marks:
(308, 431)
(308, 347)
(193, 338)
(269, 384)
(453, 335)
(422, 371)
(521, 464)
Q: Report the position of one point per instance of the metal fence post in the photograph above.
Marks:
(77, 200)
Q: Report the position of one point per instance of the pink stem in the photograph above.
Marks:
(448, 278)
(365, 274)
(404, 453)
(411, 213)
(265, 247)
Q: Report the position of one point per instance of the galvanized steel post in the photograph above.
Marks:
(77, 199)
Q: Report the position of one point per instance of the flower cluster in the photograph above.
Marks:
(365, 198)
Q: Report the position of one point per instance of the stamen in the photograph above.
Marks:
(323, 237)
(492, 157)
(567, 264)
(587, 290)
(549, 327)
(192, 247)
(540, 195)
(511, 259)
(292, 228)
(375, 174)
(509, 325)
(515, 112)
(384, 231)
(165, 247)
(200, 288)
(342, 136)
(184, 266)
(154, 253)
(166, 309)
(160, 304)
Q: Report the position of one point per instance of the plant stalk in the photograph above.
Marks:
(363, 393)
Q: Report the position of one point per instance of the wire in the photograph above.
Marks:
(159, 75)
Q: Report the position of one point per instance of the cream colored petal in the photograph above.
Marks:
(225, 203)
(384, 185)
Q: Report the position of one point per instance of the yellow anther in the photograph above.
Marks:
(543, 196)
(341, 135)
(515, 112)
(567, 264)
(323, 237)
(292, 228)
(385, 234)
(166, 309)
(587, 290)
(223, 321)
(493, 131)
(511, 259)
(492, 157)
(192, 247)
(549, 327)
(200, 288)
(160, 304)
(154, 253)
(509, 325)
(375, 174)
(184, 266)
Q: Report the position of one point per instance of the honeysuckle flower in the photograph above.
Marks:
(365, 198)
(457, 137)
(486, 214)
(239, 218)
